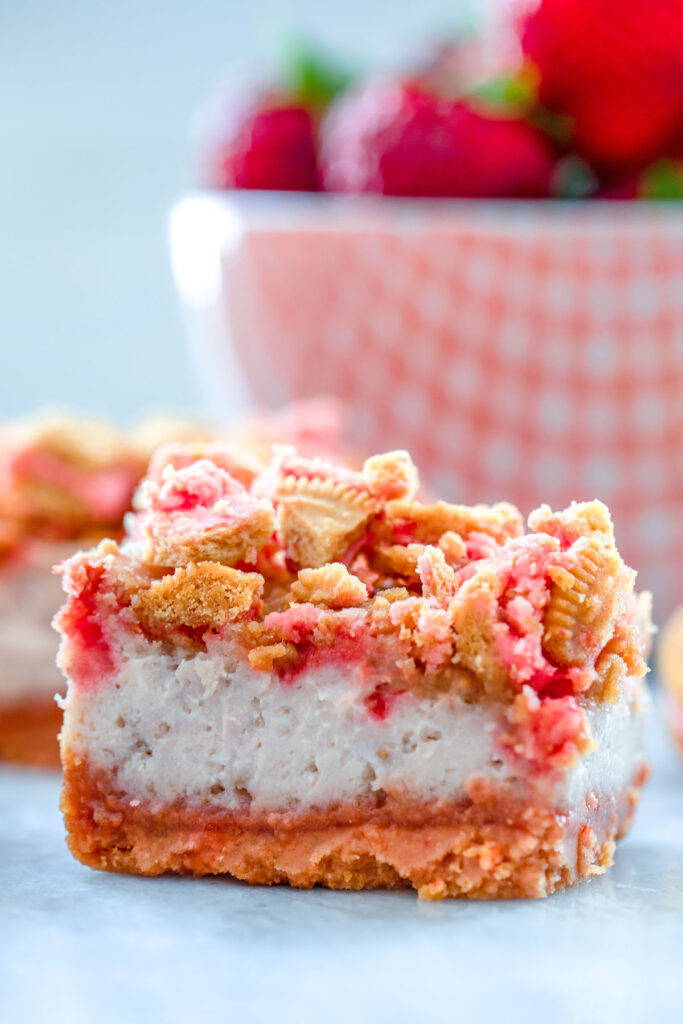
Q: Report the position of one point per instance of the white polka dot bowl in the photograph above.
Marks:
(525, 351)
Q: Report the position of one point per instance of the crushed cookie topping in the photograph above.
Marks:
(311, 560)
(392, 475)
(240, 463)
(582, 608)
(89, 444)
(454, 549)
(581, 519)
(200, 513)
(318, 519)
(330, 585)
(203, 594)
(427, 524)
(439, 582)
(68, 478)
(399, 560)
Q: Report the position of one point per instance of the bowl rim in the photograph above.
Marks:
(311, 211)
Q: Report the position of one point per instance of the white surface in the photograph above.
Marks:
(80, 947)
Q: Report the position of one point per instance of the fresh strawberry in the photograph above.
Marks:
(398, 138)
(268, 142)
(615, 67)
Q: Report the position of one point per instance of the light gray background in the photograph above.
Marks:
(95, 106)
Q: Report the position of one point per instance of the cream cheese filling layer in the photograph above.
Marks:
(208, 726)
(30, 594)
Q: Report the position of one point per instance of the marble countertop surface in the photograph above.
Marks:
(80, 946)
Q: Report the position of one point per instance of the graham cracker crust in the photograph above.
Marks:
(485, 847)
(28, 731)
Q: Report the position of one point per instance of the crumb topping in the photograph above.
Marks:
(310, 564)
(330, 585)
(200, 513)
(427, 524)
(318, 518)
(62, 477)
(392, 475)
(201, 595)
(580, 616)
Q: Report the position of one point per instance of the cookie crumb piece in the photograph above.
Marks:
(391, 475)
(266, 656)
(330, 585)
(201, 595)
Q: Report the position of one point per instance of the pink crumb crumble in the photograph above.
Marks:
(523, 565)
(287, 462)
(481, 545)
(523, 657)
(192, 501)
(295, 624)
(303, 626)
(88, 654)
(545, 734)
(199, 485)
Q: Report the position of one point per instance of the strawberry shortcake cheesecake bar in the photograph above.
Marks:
(320, 679)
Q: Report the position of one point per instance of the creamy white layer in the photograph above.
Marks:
(208, 726)
(30, 594)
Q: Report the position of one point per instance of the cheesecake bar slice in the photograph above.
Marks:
(320, 679)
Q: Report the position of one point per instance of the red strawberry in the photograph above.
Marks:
(268, 143)
(615, 67)
(398, 138)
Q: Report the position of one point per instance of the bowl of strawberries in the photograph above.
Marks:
(483, 257)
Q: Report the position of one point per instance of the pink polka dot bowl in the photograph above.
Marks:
(531, 352)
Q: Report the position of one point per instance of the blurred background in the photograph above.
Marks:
(96, 102)
(546, 343)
